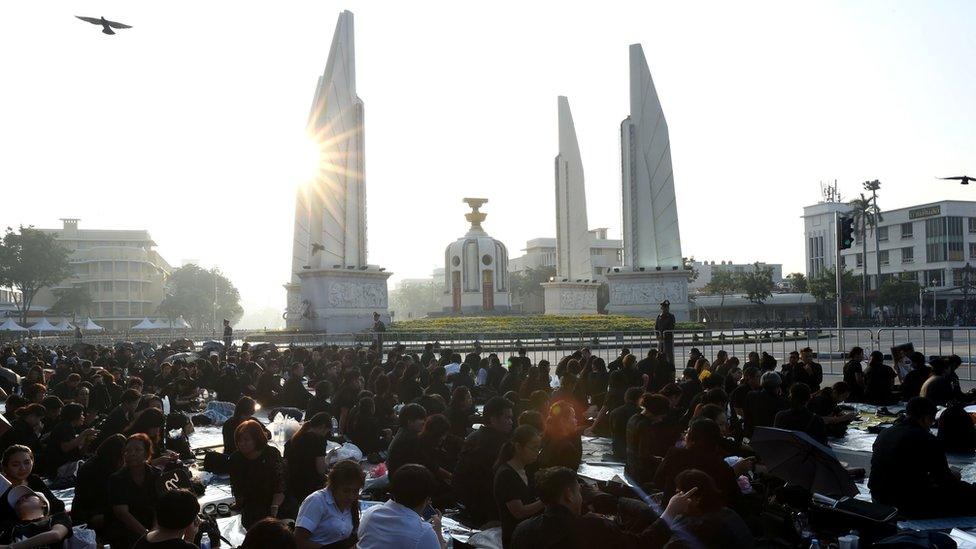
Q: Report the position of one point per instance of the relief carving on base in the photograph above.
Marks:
(577, 300)
(646, 292)
(357, 295)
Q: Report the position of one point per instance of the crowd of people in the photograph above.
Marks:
(494, 441)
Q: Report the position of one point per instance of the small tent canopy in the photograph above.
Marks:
(90, 326)
(64, 326)
(10, 326)
(43, 326)
(181, 323)
(146, 324)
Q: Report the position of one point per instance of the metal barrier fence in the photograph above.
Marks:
(829, 345)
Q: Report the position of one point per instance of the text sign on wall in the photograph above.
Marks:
(927, 211)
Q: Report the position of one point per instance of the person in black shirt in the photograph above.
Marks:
(690, 387)
(67, 441)
(132, 493)
(762, 406)
(176, 515)
(562, 445)
(916, 377)
(619, 418)
(702, 451)
(404, 447)
(347, 397)
(809, 371)
(909, 469)
(438, 383)
(854, 374)
(268, 385)
(879, 381)
(120, 417)
(228, 335)
(26, 429)
(365, 429)
(650, 435)
(18, 469)
(664, 327)
(293, 393)
(749, 383)
(35, 524)
(798, 418)
(306, 464)
(90, 505)
(256, 474)
(409, 388)
(243, 411)
(460, 411)
(826, 404)
(512, 486)
(938, 387)
(473, 474)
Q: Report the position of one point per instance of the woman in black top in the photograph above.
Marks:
(151, 422)
(293, 393)
(305, 460)
(879, 381)
(90, 504)
(256, 474)
(320, 402)
(25, 429)
(561, 443)
(18, 468)
(67, 441)
(243, 411)
(597, 381)
(132, 493)
(365, 430)
(385, 400)
(513, 486)
(409, 388)
(460, 411)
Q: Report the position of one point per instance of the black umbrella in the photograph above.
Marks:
(798, 459)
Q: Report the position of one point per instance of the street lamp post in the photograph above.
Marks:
(873, 186)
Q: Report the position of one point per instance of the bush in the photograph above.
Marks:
(531, 324)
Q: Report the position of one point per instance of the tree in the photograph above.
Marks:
(798, 283)
(190, 293)
(757, 284)
(864, 217)
(74, 301)
(900, 294)
(824, 287)
(528, 283)
(31, 260)
(414, 299)
(723, 283)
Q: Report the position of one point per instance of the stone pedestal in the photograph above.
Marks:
(640, 293)
(337, 301)
(571, 298)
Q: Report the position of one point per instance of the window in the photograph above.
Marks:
(816, 247)
(883, 257)
(107, 309)
(935, 240)
(906, 230)
(955, 239)
(934, 277)
(972, 250)
(883, 234)
(972, 225)
(106, 285)
(106, 266)
(860, 259)
(122, 267)
(908, 255)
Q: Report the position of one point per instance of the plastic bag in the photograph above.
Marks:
(81, 538)
(347, 451)
(219, 412)
(283, 428)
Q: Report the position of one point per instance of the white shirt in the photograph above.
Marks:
(324, 521)
(392, 525)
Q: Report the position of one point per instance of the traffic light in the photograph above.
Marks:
(845, 236)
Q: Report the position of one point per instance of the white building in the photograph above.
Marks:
(929, 243)
(541, 252)
(706, 269)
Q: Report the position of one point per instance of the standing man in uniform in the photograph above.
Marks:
(228, 335)
(665, 336)
(378, 329)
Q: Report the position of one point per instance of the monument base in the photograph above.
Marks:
(640, 293)
(337, 301)
(571, 298)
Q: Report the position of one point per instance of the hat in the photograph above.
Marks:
(665, 303)
(18, 492)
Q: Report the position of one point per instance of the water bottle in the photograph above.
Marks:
(205, 541)
(814, 544)
(335, 425)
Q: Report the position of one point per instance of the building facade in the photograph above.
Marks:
(121, 270)
(931, 244)
(541, 252)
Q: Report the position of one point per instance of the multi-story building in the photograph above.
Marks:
(929, 243)
(706, 269)
(122, 271)
(541, 252)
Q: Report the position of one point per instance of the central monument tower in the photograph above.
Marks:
(333, 288)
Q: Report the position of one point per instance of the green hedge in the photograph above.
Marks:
(531, 323)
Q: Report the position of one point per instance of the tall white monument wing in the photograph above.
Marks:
(330, 219)
(650, 214)
(572, 236)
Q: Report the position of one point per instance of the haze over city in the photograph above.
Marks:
(191, 125)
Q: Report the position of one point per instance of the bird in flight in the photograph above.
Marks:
(962, 179)
(107, 25)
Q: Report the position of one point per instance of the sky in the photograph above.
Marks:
(192, 124)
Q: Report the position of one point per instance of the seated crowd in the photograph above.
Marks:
(93, 418)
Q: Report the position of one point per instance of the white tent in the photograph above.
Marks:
(178, 324)
(181, 324)
(146, 324)
(90, 326)
(43, 326)
(64, 326)
(10, 326)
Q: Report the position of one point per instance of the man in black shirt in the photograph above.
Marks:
(854, 374)
(762, 405)
(808, 372)
(909, 469)
(748, 384)
(618, 421)
(473, 474)
(693, 355)
(403, 448)
(649, 437)
(664, 327)
(228, 335)
(120, 417)
(799, 418)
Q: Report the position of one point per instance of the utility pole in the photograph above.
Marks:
(873, 186)
(838, 281)
(213, 326)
